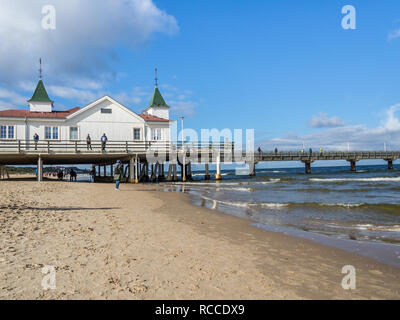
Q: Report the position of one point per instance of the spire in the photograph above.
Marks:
(157, 100)
(40, 94)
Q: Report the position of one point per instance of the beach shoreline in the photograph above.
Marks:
(143, 243)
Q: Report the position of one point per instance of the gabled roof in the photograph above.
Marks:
(40, 94)
(105, 98)
(30, 114)
(149, 117)
(157, 100)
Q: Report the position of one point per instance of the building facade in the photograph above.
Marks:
(103, 116)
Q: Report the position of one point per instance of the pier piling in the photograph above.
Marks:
(207, 172)
(390, 164)
(218, 175)
(353, 166)
(40, 169)
(307, 166)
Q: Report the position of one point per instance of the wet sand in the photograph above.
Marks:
(141, 243)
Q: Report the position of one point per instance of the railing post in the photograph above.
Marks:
(48, 146)
(126, 146)
(19, 146)
(76, 146)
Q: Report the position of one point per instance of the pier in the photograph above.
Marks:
(146, 160)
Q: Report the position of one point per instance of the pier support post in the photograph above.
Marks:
(161, 175)
(174, 173)
(183, 169)
(131, 170)
(207, 172)
(307, 166)
(353, 166)
(40, 169)
(105, 170)
(218, 175)
(390, 164)
(252, 169)
(189, 171)
(136, 169)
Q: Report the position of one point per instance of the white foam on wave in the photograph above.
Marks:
(346, 205)
(246, 204)
(377, 179)
(371, 227)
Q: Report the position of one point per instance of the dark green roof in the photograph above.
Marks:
(40, 94)
(157, 100)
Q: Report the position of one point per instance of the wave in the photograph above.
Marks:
(222, 184)
(380, 208)
(247, 204)
(377, 179)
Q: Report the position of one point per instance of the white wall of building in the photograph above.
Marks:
(118, 125)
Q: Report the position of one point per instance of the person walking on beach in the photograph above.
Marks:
(88, 142)
(36, 140)
(103, 142)
(118, 174)
(72, 175)
(92, 173)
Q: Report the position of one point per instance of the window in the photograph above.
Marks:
(7, 132)
(3, 132)
(51, 133)
(156, 134)
(10, 132)
(106, 110)
(136, 134)
(73, 133)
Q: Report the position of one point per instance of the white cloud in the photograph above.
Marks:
(393, 34)
(183, 107)
(360, 137)
(84, 41)
(12, 98)
(82, 96)
(323, 121)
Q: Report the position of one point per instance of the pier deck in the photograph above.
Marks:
(141, 155)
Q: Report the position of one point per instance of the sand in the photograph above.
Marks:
(142, 243)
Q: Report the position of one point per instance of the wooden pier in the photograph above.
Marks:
(146, 160)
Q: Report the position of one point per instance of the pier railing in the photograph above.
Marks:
(139, 147)
(143, 147)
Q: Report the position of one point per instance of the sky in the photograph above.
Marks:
(287, 69)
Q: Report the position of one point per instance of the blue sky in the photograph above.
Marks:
(285, 68)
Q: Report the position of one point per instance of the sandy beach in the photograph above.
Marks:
(142, 243)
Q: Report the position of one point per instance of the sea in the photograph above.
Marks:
(355, 211)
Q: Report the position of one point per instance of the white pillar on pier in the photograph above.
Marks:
(218, 175)
(131, 169)
(184, 167)
(136, 170)
(40, 169)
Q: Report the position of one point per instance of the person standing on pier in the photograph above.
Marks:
(276, 151)
(118, 174)
(36, 140)
(88, 142)
(103, 142)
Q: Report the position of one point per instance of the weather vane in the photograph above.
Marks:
(156, 79)
(40, 69)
